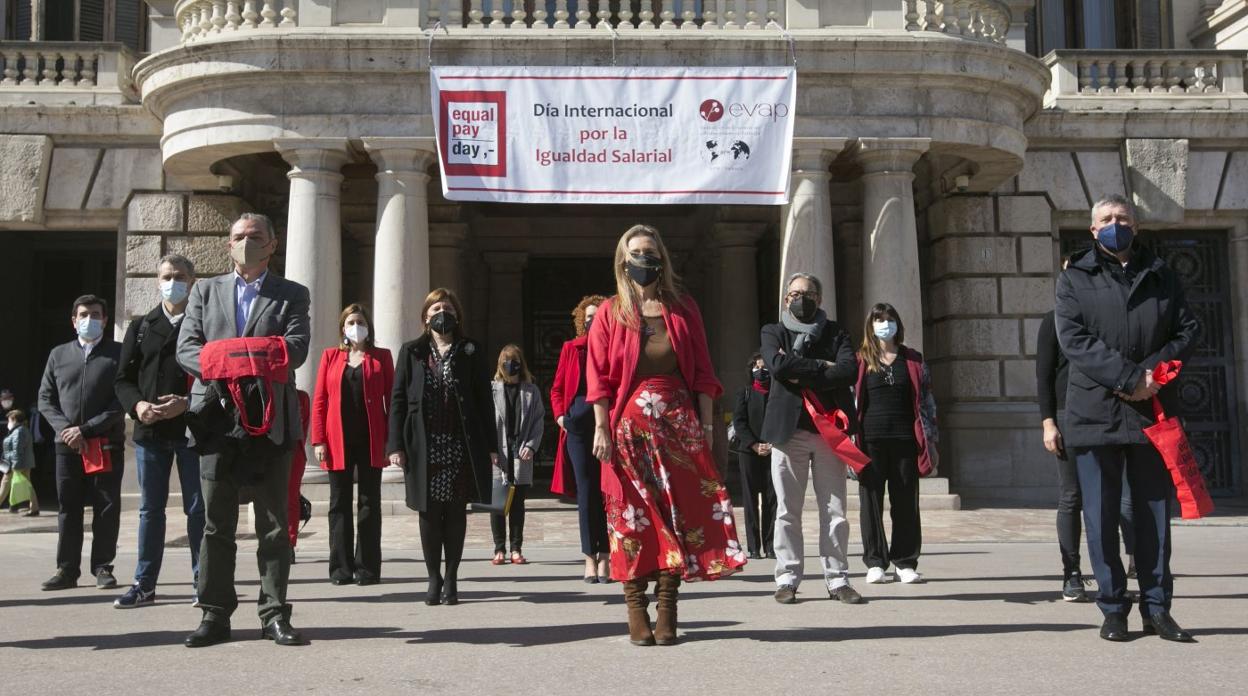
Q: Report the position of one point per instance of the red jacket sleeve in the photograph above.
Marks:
(320, 400)
(598, 378)
(566, 357)
(703, 380)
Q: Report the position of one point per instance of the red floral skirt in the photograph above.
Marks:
(675, 515)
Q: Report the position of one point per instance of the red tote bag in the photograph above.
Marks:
(1170, 440)
(234, 361)
(832, 425)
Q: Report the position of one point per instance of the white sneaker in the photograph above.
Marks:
(908, 576)
(876, 576)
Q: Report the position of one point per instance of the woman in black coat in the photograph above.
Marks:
(442, 434)
(758, 495)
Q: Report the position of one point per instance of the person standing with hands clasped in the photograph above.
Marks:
(349, 427)
(519, 417)
(808, 354)
(1120, 312)
(754, 458)
(155, 391)
(442, 435)
(897, 419)
(652, 386)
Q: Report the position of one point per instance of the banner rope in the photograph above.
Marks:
(773, 24)
(429, 34)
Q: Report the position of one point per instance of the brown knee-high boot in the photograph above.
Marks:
(639, 632)
(667, 588)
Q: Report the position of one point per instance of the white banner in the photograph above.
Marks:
(614, 135)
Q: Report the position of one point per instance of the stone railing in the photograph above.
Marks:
(985, 20)
(61, 72)
(1146, 80)
(203, 18)
(584, 15)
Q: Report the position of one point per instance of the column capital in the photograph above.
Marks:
(448, 234)
(737, 234)
(401, 155)
(506, 261)
(815, 155)
(313, 154)
(878, 155)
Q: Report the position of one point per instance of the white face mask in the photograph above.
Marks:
(12, 424)
(89, 329)
(356, 333)
(174, 291)
(7, 403)
(884, 330)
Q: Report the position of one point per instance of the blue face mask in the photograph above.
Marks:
(174, 291)
(90, 329)
(1115, 237)
(884, 330)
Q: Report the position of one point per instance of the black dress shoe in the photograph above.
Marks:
(433, 597)
(1115, 627)
(449, 598)
(59, 581)
(1164, 625)
(281, 632)
(365, 580)
(340, 581)
(208, 633)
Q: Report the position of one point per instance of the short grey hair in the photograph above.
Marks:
(178, 260)
(262, 220)
(806, 276)
(1117, 200)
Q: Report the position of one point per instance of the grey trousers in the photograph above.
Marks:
(803, 457)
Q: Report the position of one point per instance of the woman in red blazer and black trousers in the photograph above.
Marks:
(576, 470)
(350, 412)
(652, 386)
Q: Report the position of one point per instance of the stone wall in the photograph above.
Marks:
(195, 225)
(991, 279)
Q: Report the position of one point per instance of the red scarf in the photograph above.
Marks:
(762, 387)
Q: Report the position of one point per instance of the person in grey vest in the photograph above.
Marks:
(155, 391)
(251, 301)
(76, 397)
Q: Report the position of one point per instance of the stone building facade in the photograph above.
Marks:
(945, 155)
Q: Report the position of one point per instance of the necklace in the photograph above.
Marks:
(889, 378)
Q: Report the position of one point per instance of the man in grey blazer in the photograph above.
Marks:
(251, 301)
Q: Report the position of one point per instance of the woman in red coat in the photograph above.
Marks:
(575, 455)
(652, 386)
(349, 427)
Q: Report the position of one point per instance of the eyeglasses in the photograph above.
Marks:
(795, 294)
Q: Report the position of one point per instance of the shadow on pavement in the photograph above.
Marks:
(526, 636)
(832, 634)
(107, 642)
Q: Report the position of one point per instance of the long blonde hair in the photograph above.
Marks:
(511, 351)
(627, 305)
(872, 351)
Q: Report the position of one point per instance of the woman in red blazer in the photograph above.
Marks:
(350, 420)
(652, 386)
(575, 455)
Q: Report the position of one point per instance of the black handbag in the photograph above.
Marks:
(502, 493)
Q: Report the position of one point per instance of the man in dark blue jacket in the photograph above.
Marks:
(1121, 311)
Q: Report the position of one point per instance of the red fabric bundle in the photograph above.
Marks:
(832, 426)
(96, 458)
(1170, 440)
(235, 360)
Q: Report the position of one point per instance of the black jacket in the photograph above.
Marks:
(791, 374)
(149, 371)
(1052, 370)
(471, 370)
(1112, 326)
(747, 417)
(77, 392)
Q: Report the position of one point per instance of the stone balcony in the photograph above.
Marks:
(1139, 80)
(66, 73)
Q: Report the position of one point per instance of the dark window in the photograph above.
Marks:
(123, 21)
(1099, 24)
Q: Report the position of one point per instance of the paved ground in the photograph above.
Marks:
(987, 620)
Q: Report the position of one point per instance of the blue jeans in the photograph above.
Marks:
(155, 462)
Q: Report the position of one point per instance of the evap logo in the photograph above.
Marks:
(711, 110)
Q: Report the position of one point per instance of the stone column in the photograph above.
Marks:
(806, 238)
(314, 237)
(506, 305)
(737, 309)
(890, 247)
(447, 242)
(401, 270)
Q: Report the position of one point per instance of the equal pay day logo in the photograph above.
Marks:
(473, 133)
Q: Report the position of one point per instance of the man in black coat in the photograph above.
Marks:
(807, 352)
(155, 391)
(754, 457)
(77, 399)
(1121, 311)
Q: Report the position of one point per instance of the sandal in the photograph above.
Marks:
(518, 559)
(498, 559)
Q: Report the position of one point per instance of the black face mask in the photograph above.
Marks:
(803, 308)
(588, 323)
(761, 375)
(444, 323)
(644, 269)
(512, 367)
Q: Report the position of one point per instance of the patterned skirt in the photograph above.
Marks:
(675, 515)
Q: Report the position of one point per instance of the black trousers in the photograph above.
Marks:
(352, 557)
(1070, 509)
(895, 467)
(514, 523)
(758, 497)
(588, 471)
(218, 553)
(443, 527)
(74, 489)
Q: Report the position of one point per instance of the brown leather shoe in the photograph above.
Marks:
(639, 632)
(667, 591)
